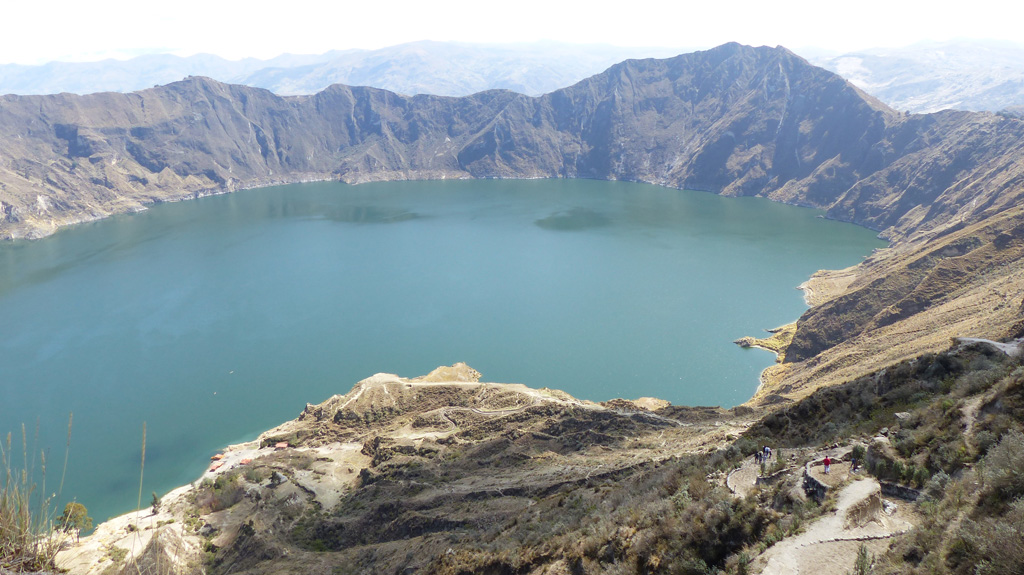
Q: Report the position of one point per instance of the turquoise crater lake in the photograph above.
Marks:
(215, 319)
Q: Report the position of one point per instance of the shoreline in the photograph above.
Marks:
(32, 228)
(776, 343)
(826, 285)
(36, 229)
(821, 287)
(766, 380)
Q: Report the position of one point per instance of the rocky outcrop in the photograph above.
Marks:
(395, 465)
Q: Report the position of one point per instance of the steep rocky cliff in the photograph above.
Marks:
(733, 120)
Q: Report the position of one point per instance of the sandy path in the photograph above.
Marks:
(830, 544)
(1014, 348)
(742, 480)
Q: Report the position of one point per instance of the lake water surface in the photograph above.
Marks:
(213, 320)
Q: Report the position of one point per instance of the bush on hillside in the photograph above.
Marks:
(990, 545)
(1004, 472)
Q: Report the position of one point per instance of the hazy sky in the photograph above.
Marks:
(37, 32)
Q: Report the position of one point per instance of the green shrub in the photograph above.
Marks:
(75, 518)
(976, 381)
(935, 489)
(221, 493)
(984, 440)
(743, 564)
(255, 474)
(990, 545)
(862, 565)
(116, 554)
(1004, 480)
(898, 470)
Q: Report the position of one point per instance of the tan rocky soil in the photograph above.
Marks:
(824, 285)
(130, 534)
(743, 480)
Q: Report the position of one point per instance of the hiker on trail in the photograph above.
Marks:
(767, 452)
(757, 457)
(828, 463)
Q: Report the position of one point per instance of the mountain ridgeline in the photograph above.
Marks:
(945, 188)
(734, 120)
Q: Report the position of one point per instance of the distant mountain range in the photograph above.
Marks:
(962, 74)
(439, 68)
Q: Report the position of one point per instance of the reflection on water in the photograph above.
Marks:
(574, 219)
(369, 215)
(212, 320)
